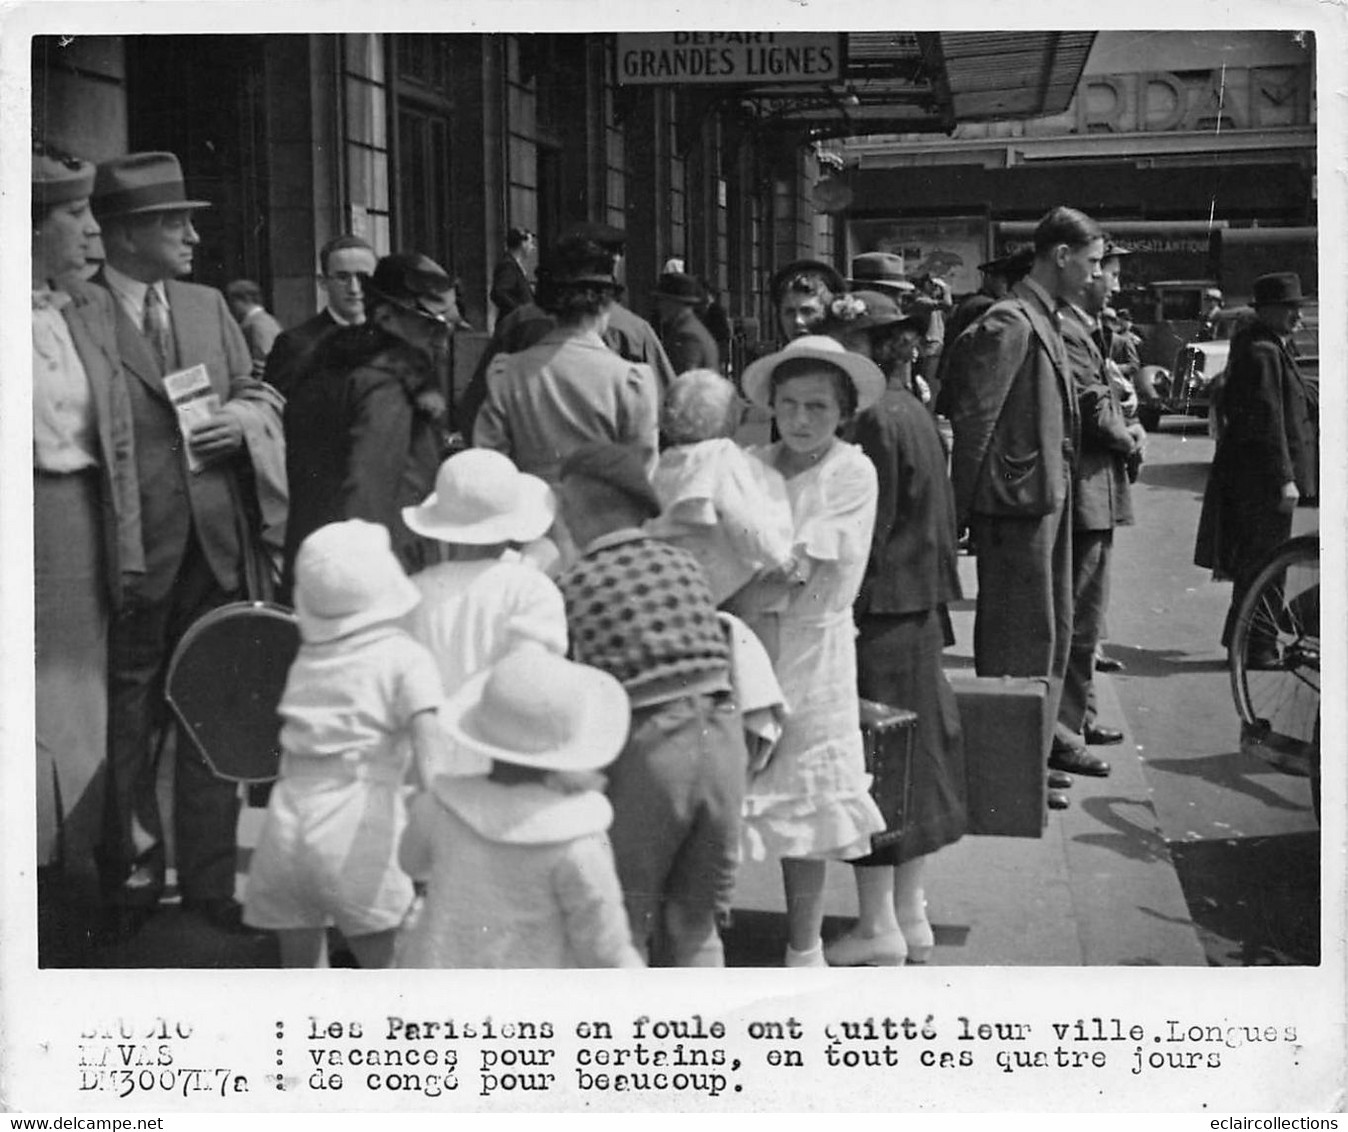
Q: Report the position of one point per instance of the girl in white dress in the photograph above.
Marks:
(812, 803)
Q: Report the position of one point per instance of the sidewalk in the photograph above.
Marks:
(1098, 889)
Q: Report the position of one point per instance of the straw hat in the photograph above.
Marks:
(866, 377)
(533, 708)
(480, 499)
(347, 578)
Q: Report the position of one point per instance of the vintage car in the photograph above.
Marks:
(1192, 387)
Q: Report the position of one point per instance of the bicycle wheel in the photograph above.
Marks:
(1275, 658)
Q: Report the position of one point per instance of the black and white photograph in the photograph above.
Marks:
(521, 491)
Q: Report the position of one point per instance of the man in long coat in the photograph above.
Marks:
(1268, 454)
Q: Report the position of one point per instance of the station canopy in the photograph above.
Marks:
(928, 82)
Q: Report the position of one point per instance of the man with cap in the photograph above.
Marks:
(685, 338)
(1016, 427)
(1267, 456)
(627, 334)
(640, 609)
(212, 493)
(1100, 502)
(344, 266)
(1207, 321)
(363, 424)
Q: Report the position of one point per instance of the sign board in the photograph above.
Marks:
(950, 248)
(749, 58)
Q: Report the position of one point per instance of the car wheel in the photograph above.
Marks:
(1149, 416)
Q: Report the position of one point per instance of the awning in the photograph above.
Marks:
(928, 82)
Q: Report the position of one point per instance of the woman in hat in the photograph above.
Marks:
(485, 598)
(811, 803)
(359, 688)
(363, 422)
(519, 867)
(86, 523)
(569, 389)
(801, 293)
(903, 626)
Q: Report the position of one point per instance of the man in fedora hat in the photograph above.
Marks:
(1267, 455)
(686, 340)
(626, 333)
(883, 272)
(202, 524)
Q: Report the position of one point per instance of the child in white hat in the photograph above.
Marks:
(359, 687)
(486, 598)
(519, 864)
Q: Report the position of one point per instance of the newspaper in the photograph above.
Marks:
(195, 401)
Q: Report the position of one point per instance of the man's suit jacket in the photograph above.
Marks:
(510, 286)
(689, 344)
(1101, 499)
(1014, 414)
(293, 348)
(174, 501)
(90, 315)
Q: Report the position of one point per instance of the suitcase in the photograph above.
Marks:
(1007, 729)
(225, 681)
(888, 735)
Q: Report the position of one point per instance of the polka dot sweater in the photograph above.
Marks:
(641, 610)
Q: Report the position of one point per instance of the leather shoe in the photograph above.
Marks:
(224, 915)
(1108, 663)
(1097, 736)
(1057, 801)
(1058, 780)
(1078, 760)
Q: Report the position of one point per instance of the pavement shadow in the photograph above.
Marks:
(1128, 838)
(1163, 662)
(1256, 900)
(1235, 771)
(758, 939)
(1189, 476)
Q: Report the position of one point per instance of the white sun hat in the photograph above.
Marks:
(866, 377)
(534, 708)
(481, 498)
(347, 578)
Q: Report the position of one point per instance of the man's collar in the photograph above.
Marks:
(1038, 290)
(613, 538)
(339, 320)
(133, 289)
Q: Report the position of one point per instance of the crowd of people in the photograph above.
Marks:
(562, 672)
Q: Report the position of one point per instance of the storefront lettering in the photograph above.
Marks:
(1158, 101)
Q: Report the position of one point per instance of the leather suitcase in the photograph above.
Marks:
(1007, 731)
(888, 734)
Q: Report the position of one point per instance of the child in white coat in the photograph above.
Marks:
(518, 860)
(359, 687)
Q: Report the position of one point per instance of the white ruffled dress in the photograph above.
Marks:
(812, 799)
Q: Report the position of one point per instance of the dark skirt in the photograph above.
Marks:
(899, 663)
(71, 635)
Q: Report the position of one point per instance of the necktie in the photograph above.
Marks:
(156, 326)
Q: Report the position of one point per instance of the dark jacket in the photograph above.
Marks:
(1014, 415)
(357, 447)
(1101, 499)
(293, 348)
(510, 286)
(1271, 437)
(912, 566)
(689, 344)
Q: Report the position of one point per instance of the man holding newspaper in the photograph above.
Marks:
(212, 493)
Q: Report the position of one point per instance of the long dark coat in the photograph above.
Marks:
(1271, 437)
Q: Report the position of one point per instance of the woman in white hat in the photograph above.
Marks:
(359, 687)
(519, 866)
(486, 598)
(812, 802)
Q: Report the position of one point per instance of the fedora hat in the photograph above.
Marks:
(679, 287)
(865, 375)
(1283, 287)
(481, 499)
(406, 277)
(346, 579)
(534, 708)
(140, 183)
